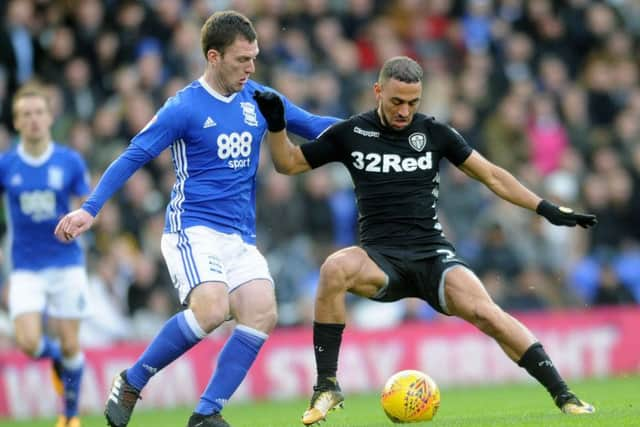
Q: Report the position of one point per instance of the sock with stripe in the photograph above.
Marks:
(176, 337)
(72, 370)
(235, 359)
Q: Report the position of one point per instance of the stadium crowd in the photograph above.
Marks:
(549, 90)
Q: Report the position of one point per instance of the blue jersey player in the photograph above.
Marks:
(39, 178)
(214, 130)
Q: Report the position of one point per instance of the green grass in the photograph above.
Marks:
(616, 400)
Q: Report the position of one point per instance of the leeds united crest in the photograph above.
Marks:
(417, 140)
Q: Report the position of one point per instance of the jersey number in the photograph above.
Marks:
(40, 205)
(234, 145)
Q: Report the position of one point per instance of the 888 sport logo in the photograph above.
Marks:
(236, 147)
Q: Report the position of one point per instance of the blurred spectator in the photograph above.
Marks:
(496, 253)
(461, 195)
(319, 220)
(281, 214)
(5, 100)
(610, 290)
(109, 321)
(82, 97)
(18, 47)
(151, 289)
(505, 136)
(60, 46)
(548, 137)
(530, 291)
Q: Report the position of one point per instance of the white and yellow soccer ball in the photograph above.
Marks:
(410, 396)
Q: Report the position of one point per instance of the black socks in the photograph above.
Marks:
(327, 338)
(538, 364)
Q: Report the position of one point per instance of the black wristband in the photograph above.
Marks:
(545, 207)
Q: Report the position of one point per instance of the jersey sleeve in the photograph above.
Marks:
(303, 123)
(325, 149)
(455, 148)
(163, 129)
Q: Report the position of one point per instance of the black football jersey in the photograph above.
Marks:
(395, 175)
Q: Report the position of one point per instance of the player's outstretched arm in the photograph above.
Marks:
(73, 224)
(506, 186)
(287, 157)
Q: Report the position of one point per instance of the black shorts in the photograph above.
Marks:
(410, 277)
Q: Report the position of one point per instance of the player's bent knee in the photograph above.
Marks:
(210, 305)
(70, 349)
(335, 273)
(28, 344)
(209, 318)
(263, 319)
(267, 321)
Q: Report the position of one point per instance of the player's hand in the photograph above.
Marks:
(272, 108)
(559, 215)
(73, 224)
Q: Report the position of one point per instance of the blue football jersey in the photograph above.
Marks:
(215, 145)
(37, 193)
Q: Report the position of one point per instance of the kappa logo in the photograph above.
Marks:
(417, 141)
(369, 133)
(209, 123)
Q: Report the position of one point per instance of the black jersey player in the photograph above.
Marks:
(392, 154)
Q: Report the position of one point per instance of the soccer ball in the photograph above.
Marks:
(410, 396)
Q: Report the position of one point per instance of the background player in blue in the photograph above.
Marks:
(214, 130)
(393, 155)
(39, 178)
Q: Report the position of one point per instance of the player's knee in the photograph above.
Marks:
(210, 307)
(28, 344)
(69, 348)
(267, 320)
(262, 317)
(211, 319)
(334, 274)
(208, 316)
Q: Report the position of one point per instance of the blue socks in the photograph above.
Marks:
(182, 332)
(48, 349)
(234, 361)
(72, 370)
(71, 373)
(178, 335)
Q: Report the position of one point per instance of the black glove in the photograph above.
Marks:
(559, 215)
(272, 108)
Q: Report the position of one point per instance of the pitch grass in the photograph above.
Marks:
(616, 399)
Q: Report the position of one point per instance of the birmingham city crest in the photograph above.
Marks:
(417, 141)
